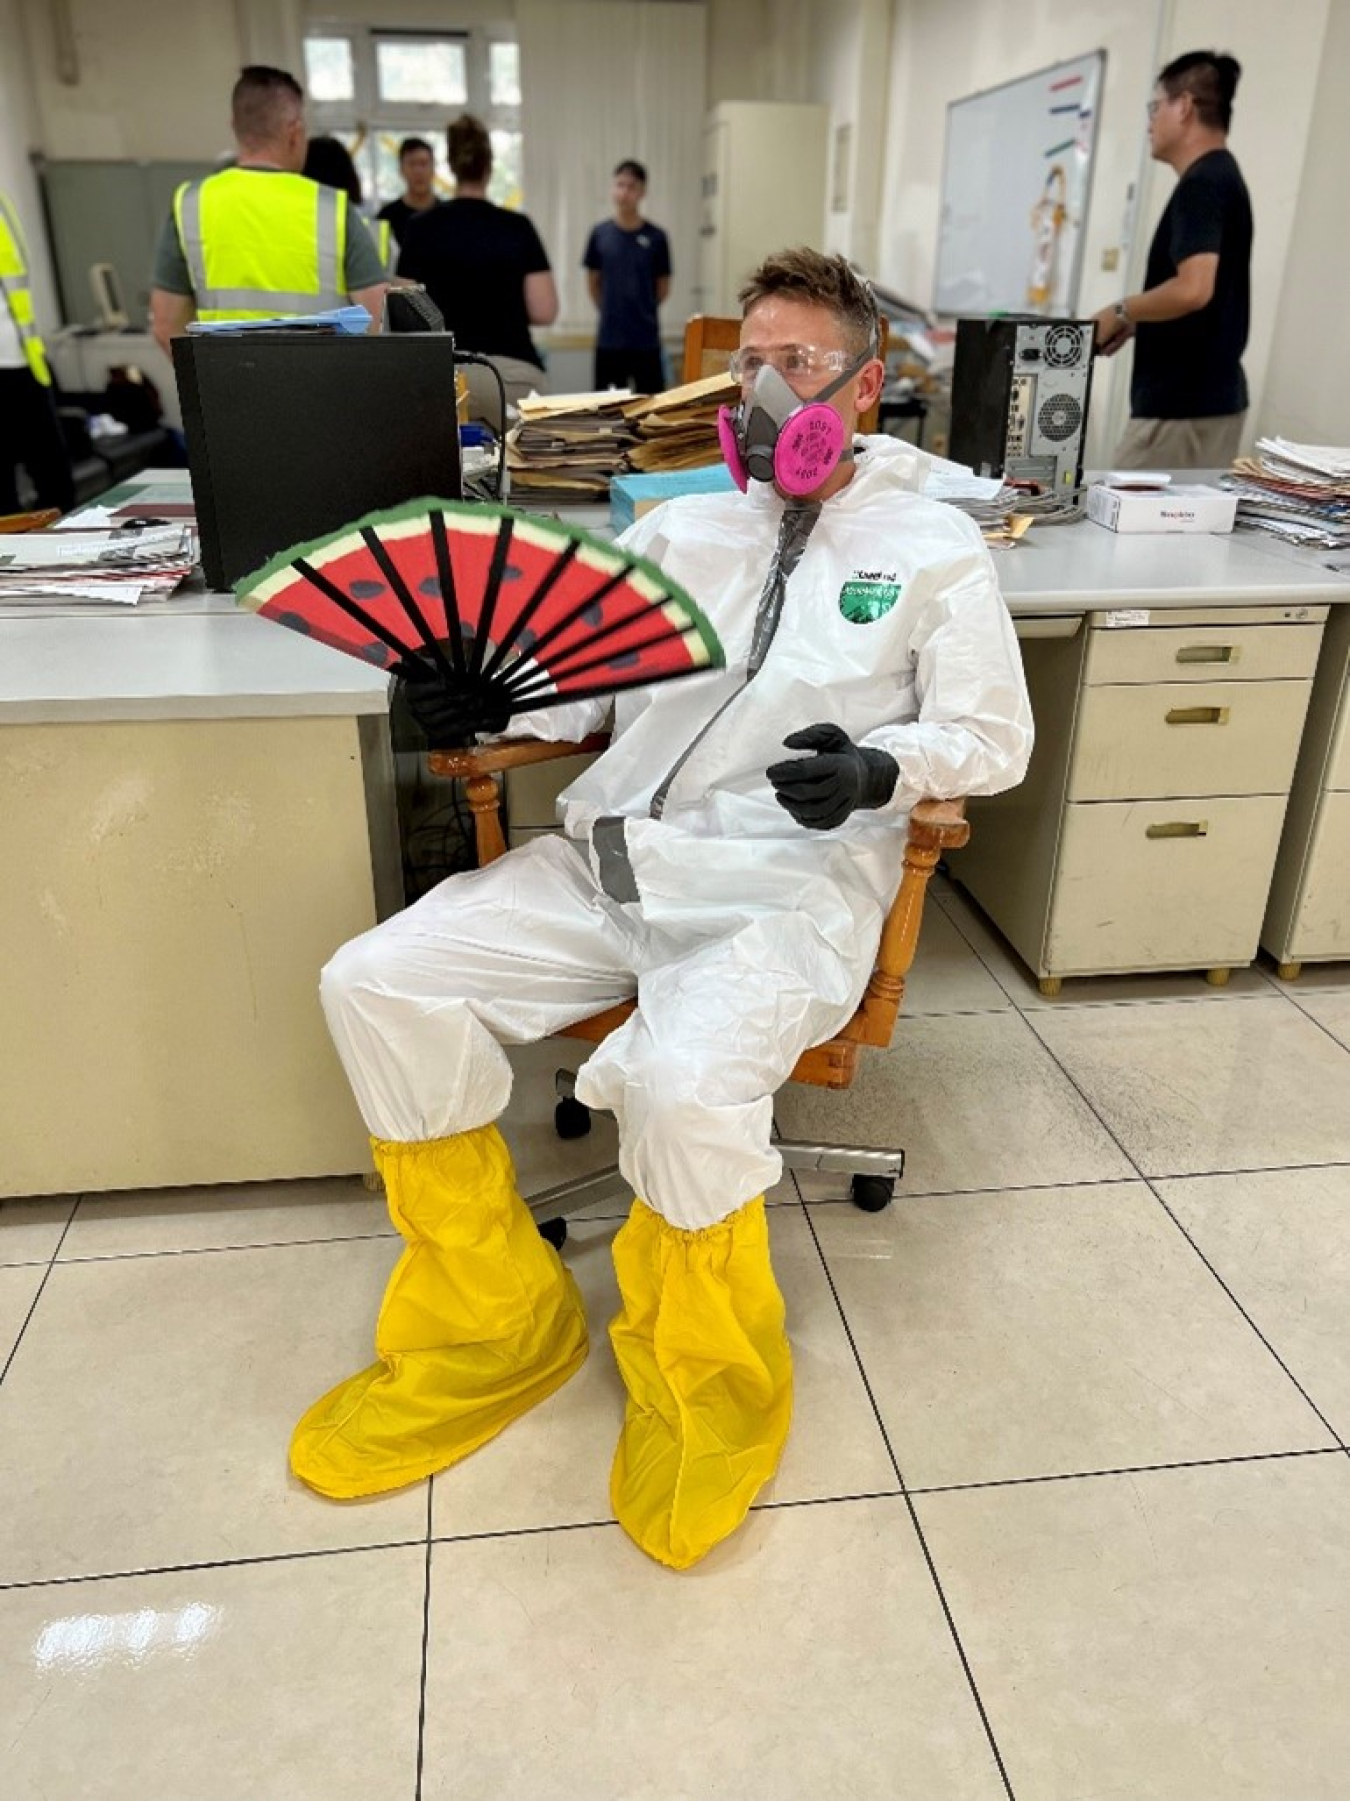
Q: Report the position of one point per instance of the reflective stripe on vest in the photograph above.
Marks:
(284, 209)
(17, 294)
(384, 243)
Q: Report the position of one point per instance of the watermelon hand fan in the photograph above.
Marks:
(501, 611)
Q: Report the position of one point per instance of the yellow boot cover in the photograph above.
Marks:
(480, 1321)
(702, 1351)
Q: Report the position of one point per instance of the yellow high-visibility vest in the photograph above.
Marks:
(17, 293)
(261, 243)
(384, 243)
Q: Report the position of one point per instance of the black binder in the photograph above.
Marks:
(291, 434)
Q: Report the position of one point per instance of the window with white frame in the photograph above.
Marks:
(372, 86)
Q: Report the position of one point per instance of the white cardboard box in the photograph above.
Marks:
(1171, 509)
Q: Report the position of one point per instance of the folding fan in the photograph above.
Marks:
(535, 612)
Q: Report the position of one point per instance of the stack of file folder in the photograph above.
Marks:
(97, 566)
(678, 429)
(1298, 492)
(568, 446)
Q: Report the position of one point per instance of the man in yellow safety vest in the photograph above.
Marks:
(260, 239)
(30, 433)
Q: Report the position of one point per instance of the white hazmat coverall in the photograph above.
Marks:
(746, 937)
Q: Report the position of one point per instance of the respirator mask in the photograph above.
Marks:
(773, 435)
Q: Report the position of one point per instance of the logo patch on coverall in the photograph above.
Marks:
(868, 596)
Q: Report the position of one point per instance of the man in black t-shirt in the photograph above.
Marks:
(417, 166)
(1188, 395)
(487, 271)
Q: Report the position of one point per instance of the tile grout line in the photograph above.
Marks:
(913, 1514)
(1151, 1184)
(426, 1643)
(1132, 1469)
(1314, 1020)
(41, 1287)
(193, 1566)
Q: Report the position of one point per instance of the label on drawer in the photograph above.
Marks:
(1126, 616)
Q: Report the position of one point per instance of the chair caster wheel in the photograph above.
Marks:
(555, 1231)
(872, 1193)
(571, 1119)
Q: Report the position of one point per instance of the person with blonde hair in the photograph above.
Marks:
(483, 265)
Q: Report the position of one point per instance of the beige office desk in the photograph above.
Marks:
(1308, 915)
(197, 810)
(1169, 676)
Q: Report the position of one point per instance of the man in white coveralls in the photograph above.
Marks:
(737, 889)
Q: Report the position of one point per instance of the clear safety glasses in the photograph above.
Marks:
(795, 362)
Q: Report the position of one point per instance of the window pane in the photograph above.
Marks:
(504, 74)
(504, 187)
(421, 71)
(328, 68)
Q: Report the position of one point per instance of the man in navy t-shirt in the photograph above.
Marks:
(1188, 396)
(627, 264)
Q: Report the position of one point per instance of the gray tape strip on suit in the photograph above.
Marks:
(613, 869)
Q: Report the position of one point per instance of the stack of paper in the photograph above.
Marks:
(678, 429)
(38, 568)
(1300, 492)
(567, 446)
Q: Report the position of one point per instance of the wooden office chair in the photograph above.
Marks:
(709, 342)
(935, 826)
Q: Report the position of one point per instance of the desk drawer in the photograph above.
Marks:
(1161, 884)
(1206, 653)
(1174, 738)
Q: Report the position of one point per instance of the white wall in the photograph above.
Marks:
(849, 62)
(154, 78)
(1307, 389)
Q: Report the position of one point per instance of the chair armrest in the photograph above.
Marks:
(508, 753)
(944, 819)
(478, 767)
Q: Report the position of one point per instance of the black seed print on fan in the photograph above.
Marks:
(404, 597)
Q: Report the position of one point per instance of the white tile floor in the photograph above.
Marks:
(1065, 1513)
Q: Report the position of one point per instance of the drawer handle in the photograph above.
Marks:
(1209, 653)
(1178, 828)
(1197, 716)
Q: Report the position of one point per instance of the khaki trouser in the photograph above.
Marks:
(1180, 443)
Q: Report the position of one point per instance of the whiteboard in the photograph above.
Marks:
(1015, 182)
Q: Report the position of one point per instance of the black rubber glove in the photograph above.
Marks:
(451, 717)
(821, 791)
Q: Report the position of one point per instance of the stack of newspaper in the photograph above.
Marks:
(1299, 492)
(100, 565)
(567, 446)
(678, 429)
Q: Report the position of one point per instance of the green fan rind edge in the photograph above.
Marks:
(415, 509)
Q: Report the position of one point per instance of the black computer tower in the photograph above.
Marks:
(1020, 392)
(292, 434)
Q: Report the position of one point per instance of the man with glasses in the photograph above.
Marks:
(1188, 393)
(738, 891)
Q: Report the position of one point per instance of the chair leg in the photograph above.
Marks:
(571, 1117)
